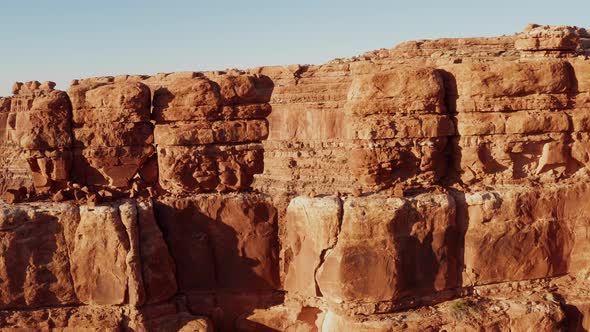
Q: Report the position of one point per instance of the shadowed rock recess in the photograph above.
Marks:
(441, 185)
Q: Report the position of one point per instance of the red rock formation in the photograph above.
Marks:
(112, 133)
(39, 122)
(208, 130)
(436, 186)
(501, 116)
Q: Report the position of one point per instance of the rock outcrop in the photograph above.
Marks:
(208, 130)
(439, 185)
(113, 136)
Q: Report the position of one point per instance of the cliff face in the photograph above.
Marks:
(438, 185)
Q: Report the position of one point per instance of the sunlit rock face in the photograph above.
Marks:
(441, 185)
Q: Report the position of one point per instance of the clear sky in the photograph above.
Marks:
(61, 40)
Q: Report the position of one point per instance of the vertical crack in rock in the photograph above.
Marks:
(158, 269)
(135, 287)
(326, 251)
(69, 232)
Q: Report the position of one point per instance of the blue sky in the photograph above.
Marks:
(63, 40)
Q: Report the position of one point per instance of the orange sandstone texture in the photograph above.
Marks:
(440, 185)
(112, 133)
(208, 130)
(39, 124)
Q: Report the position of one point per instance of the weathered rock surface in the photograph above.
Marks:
(235, 237)
(208, 130)
(35, 254)
(440, 185)
(38, 124)
(14, 169)
(486, 122)
(69, 254)
(112, 133)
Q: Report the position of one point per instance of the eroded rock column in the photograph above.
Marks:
(209, 129)
(42, 122)
(112, 132)
(397, 123)
(223, 239)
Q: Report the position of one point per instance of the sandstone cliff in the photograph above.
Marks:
(440, 185)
